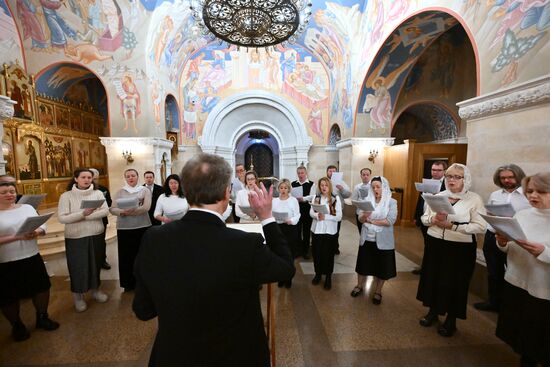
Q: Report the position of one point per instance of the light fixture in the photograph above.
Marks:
(372, 155)
(127, 154)
(252, 23)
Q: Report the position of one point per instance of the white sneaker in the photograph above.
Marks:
(79, 303)
(99, 296)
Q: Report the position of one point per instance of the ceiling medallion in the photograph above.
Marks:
(252, 23)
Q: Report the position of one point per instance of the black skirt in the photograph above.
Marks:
(447, 269)
(22, 279)
(129, 242)
(524, 323)
(323, 247)
(373, 261)
(291, 235)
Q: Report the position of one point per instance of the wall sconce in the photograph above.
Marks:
(126, 154)
(373, 154)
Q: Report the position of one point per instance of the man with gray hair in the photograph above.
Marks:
(508, 178)
(201, 278)
(105, 265)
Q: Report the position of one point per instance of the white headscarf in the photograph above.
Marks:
(467, 181)
(381, 208)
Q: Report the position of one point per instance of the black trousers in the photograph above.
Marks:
(103, 245)
(322, 249)
(337, 235)
(496, 266)
(236, 218)
(304, 230)
(359, 224)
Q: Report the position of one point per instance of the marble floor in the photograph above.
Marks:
(313, 327)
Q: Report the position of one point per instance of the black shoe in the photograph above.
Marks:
(106, 265)
(485, 306)
(356, 291)
(428, 320)
(377, 299)
(328, 282)
(417, 271)
(316, 279)
(44, 322)
(19, 331)
(446, 331)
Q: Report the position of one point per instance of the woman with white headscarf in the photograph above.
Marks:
(376, 255)
(450, 253)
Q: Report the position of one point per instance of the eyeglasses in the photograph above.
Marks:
(454, 177)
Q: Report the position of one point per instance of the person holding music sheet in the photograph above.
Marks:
(304, 224)
(132, 222)
(83, 237)
(324, 228)
(437, 173)
(200, 278)
(171, 205)
(251, 179)
(22, 271)
(524, 318)
(340, 189)
(359, 192)
(237, 184)
(450, 253)
(376, 254)
(508, 178)
(286, 204)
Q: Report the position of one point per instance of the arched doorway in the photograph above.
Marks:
(425, 122)
(259, 157)
(234, 118)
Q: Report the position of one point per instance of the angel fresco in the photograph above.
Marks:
(26, 11)
(59, 29)
(379, 104)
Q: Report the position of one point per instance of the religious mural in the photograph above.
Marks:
(10, 48)
(98, 158)
(8, 152)
(292, 73)
(27, 152)
(58, 155)
(81, 153)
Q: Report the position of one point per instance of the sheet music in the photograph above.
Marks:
(127, 203)
(119, 90)
(297, 192)
(280, 216)
(32, 223)
(247, 210)
(438, 203)
(32, 200)
(364, 205)
(500, 210)
(337, 178)
(91, 204)
(507, 226)
(428, 187)
(320, 208)
(175, 215)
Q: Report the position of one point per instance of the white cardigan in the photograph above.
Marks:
(466, 212)
(525, 270)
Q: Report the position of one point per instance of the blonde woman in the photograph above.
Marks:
(131, 225)
(324, 229)
(285, 203)
(83, 237)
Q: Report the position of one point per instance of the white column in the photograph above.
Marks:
(6, 112)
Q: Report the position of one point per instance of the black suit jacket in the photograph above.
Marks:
(157, 191)
(108, 199)
(419, 211)
(201, 279)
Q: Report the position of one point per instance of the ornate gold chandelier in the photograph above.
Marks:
(252, 23)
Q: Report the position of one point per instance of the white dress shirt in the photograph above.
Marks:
(330, 224)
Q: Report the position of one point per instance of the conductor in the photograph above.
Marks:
(201, 278)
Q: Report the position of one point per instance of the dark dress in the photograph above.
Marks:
(373, 261)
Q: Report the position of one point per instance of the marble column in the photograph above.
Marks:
(6, 112)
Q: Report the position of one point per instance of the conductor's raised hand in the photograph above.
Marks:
(260, 201)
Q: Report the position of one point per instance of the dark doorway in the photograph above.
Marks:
(259, 157)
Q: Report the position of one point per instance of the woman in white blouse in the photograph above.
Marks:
(83, 237)
(324, 228)
(250, 179)
(171, 205)
(22, 271)
(524, 319)
(450, 253)
(287, 205)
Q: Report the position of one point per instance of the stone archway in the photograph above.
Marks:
(257, 110)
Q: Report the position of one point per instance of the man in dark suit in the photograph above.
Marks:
(201, 278)
(438, 173)
(109, 201)
(156, 191)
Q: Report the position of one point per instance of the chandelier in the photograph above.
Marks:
(252, 23)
